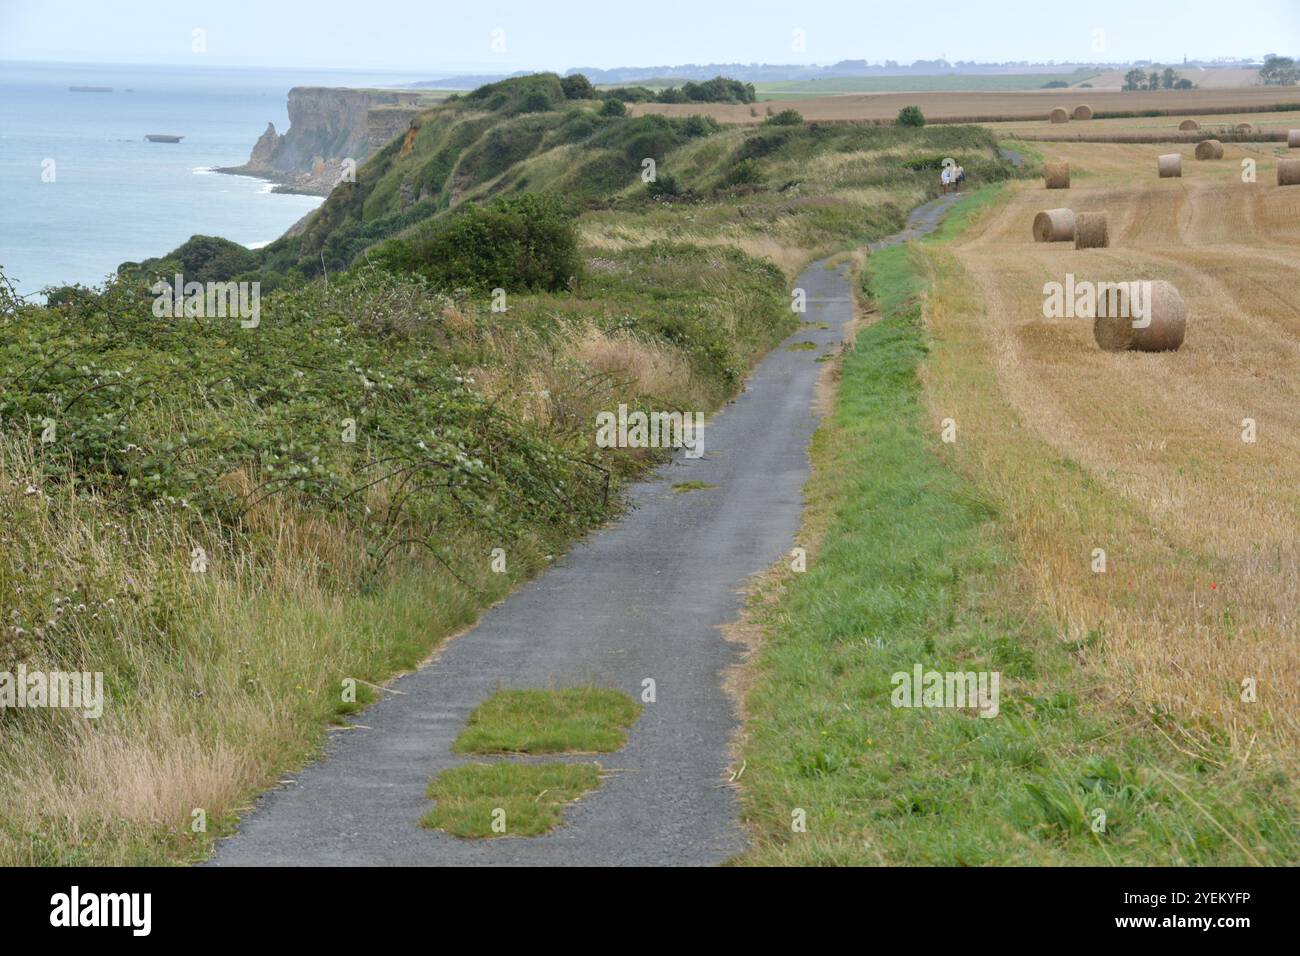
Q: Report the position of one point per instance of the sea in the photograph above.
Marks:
(82, 191)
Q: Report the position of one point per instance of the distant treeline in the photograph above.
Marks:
(717, 90)
(538, 92)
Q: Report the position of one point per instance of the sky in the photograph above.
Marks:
(501, 36)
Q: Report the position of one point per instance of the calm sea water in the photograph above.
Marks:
(115, 197)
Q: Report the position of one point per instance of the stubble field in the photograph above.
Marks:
(980, 106)
(1145, 455)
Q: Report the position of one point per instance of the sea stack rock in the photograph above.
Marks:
(264, 148)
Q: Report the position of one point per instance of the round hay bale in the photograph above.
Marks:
(1244, 128)
(1059, 115)
(1189, 125)
(1090, 231)
(1163, 320)
(1170, 164)
(1293, 139)
(1057, 175)
(1054, 225)
(1082, 112)
(1209, 149)
(1288, 172)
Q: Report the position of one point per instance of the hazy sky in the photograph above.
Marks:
(430, 36)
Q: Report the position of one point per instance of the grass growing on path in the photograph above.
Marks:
(916, 565)
(506, 799)
(571, 720)
(682, 487)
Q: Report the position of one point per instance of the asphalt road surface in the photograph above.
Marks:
(643, 598)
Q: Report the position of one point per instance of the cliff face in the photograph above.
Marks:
(327, 127)
(386, 123)
(330, 124)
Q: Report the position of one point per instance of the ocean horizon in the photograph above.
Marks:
(82, 191)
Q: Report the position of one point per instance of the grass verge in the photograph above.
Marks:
(917, 565)
(506, 799)
(571, 720)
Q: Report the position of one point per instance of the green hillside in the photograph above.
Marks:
(526, 135)
(227, 519)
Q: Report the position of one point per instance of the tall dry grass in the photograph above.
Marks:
(214, 681)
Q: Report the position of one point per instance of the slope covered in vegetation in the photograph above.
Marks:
(233, 520)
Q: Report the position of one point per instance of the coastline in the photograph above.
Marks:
(290, 184)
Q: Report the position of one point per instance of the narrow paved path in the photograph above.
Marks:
(643, 598)
(1011, 156)
(923, 220)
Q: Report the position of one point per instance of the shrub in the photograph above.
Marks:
(613, 107)
(763, 144)
(717, 90)
(910, 116)
(525, 242)
(199, 259)
(664, 184)
(631, 94)
(577, 126)
(577, 87)
(654, 141)
(72, 296)
(699, 125)
(922, 163)
(785, 118)
(743, 173)
(1055, 85)
(536, 101)
(519, 94)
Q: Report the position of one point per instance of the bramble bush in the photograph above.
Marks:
(172, 412)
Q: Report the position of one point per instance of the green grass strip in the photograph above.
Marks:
(570, 720)
(506, 799)
(915, 568)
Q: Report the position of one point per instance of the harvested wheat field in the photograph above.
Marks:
(1183, 467)
(1271, 124)
(985, 106)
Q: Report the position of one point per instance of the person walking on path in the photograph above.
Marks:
(945, 177)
